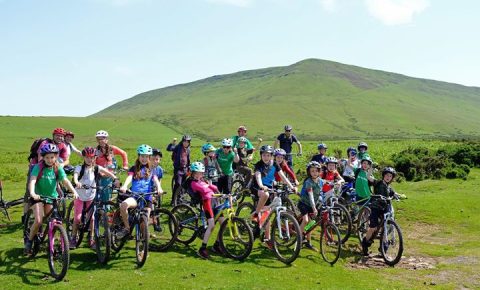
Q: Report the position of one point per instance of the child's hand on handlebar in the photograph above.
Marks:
(79, 185)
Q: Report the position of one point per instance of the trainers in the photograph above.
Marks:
(269, 244)
(217, 249)
(365, 246)
(203, 253)
(28, 247)
(73, 243)
(309, 246)
(93, 245)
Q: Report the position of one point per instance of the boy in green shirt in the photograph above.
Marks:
(363, 178)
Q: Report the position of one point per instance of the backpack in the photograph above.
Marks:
(35, 146)
(41, 166)
(195, 197)
(82, 172)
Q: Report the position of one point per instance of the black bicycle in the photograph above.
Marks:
(162, 226)
(5, 205)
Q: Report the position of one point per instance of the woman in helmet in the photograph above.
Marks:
(279, 154)
(321, 156)
(181, 161)
(141, 176)
(245, 156)
(330, 175)
(105, 157)
(86, 174)
(377, 205)
(225, 157)
(212, 168)
(43, 188)
(205, 192)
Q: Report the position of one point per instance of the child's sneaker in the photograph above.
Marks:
(217, 249)
(73, 243)
(28, 247)
(203, 253)
(309, 246)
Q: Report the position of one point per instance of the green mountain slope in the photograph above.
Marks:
(321, 99)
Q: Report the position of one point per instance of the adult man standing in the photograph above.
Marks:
(285, 140)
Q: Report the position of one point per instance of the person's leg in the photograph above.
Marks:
(77, 210)
(262, 199)
(124, 206)
(38, 212)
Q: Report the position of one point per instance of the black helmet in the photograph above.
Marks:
(157, 152)
(322, 146)
(266, 148)
(362, 144)
(389, 170)
(288, 128)
(186, 138)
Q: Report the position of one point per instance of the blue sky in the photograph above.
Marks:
(74, 58)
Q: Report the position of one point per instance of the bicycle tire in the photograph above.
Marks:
(102, 237)
(290, 229)
(60, 251)
(341, 219)
(290, 205)
(245, 211)
(163, 229)
(387, 243)
(237, 231)
(187, 223)
(141, 240)
(117, 225)
(69, 220)
(363, 221)
(237, 191)
(181, 196)
(330, 243)
(29, 220)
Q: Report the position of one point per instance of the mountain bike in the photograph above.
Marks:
(5, 205)
(235, 236)
(54, 233)
(340, 215)
(162, 225)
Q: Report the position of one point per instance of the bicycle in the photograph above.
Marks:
(340, 214)
(285, 236)
(5, 205)
(235, 236)
(358, 209)
(389, 233)
(138, 220)
(97, 214)
(58, 251)
(162, 225)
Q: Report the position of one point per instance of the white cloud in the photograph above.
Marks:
(395, 12)
(238, 3)
(329, 5)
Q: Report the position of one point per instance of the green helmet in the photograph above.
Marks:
(366, 158)
(206, 148)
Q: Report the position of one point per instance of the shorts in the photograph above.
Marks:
(78, 208)
(207, 208)
(254, 189)
(375, 217)
(304, 209)
(32, 202)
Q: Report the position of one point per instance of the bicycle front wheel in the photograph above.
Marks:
(58, 252)
(237, 191)
(187, 223)
(363, 222)
(236, 238)
(102, 237)
(163, 229)
(117, 226)
(330, 243)
(391, 243)
(286, 237)
(141, 241)
(341, 219)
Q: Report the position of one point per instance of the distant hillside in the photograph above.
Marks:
(321, 99)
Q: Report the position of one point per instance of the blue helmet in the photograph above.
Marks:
(197, 167)
(144, 150)
(206, 148)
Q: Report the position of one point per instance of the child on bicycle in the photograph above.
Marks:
(321, 157)
(155, 160)
(309, 195)
(331, 176)
(280, 155)
(85, 179)
(205, 191)
(363, 178)
(362, 150)
(140, 176)
(212, 168)
(226, 156)
(245, 155)
(378, 206)
(43, 188)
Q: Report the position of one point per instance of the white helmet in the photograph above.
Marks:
(101, 133)
(227, 142)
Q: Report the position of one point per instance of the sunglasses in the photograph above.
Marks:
(227, 147)
(288, 130)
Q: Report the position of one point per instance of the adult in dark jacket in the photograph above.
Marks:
(181, 161)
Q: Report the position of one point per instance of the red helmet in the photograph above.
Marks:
(59, 131)
(88, 151)
(69, 133)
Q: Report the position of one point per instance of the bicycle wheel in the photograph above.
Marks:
(58, 252)
(28, 222)
(102, 236)
(363, 222)
(286, 237)
(237, 191)
(117, 226)
(330, 245)
(163, 229)
(236, 238)
(69, 219)
(290, 205)
(141, 240)
(391, 243)
(181, 196)
(341, 219)
(187, 223)
(245, 211)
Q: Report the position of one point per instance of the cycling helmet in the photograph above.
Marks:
(266, 148)
(88, 152)
(197, 167)
(70, 133)
(331, 160)
(351, 149)
(288, 128)
(59, 131)
(227, 142)
(389, 170)
(242, 128)
(242, 139)
(206, 148)
(313, 164)
(157, 152)
(322, 146)
(102, 133)
(279, 152)
(366, 158)
(362, 144)
(186, 138)
(48, 148)
(144, 150)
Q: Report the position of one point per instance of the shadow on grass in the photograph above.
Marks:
(10, 228)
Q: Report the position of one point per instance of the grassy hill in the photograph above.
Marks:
(321, 99)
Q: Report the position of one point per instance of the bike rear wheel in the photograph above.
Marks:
(141, 240)
(58, 252)
(237, 191)
(341, 219)
(245, 211)
(286, 237)
(391, 243)
(330, 243)
(181, 196)
(363, 222)
(187, 223)
(236, 238)
(102, 237)
(163, 229)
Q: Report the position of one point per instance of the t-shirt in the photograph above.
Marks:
(88, 178)
(204, 189)
(142, 184)
(211, 168)
(349, 169)
(46, 185)
(286, 142)
(361, 155)
(225, 161)
(242, 153)
(248, 144)
(158, 171)
(320, 158)
(267, 172)
(329, 176)
(316, 188)
(362, 187)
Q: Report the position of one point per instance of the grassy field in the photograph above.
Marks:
(440, 223)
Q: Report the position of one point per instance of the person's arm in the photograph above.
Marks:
(290, 173)
(157, 184)
(300, 151)
(69, 186)
(127, 182)
(236, 158)
(74, 149)
(258, 178)
(78, 184)
(285, 179)
(32, 182)
(123, 154)
(312, 200)
(340, 179)
(275, 145)
(106, 172)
